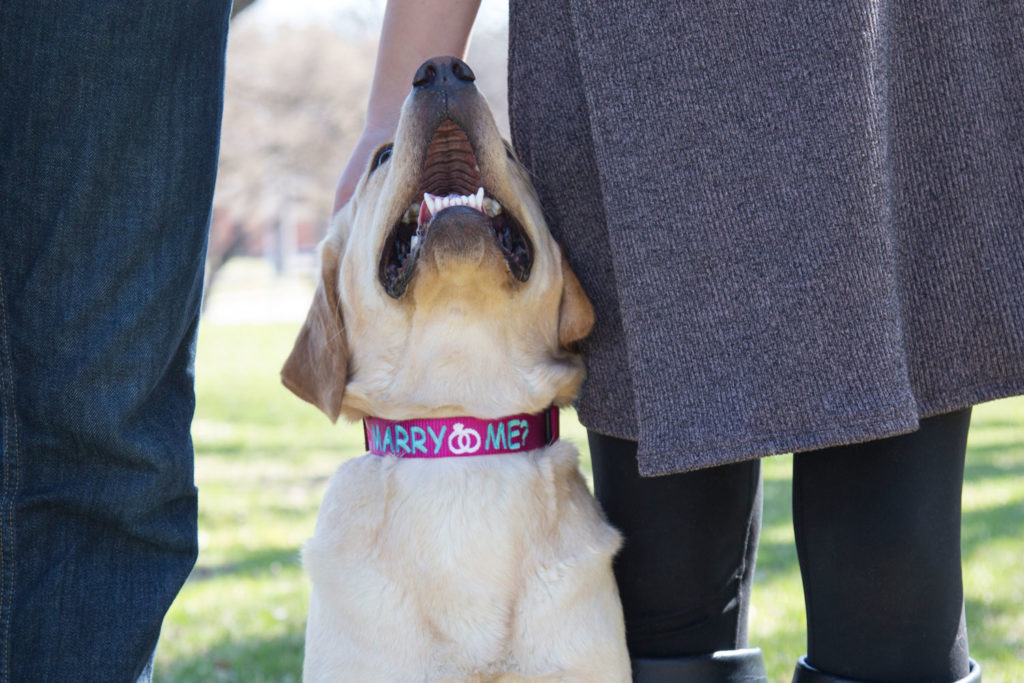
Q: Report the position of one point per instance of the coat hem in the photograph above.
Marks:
(699, 456)
(857, 431)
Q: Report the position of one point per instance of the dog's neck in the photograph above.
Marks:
(453, 368)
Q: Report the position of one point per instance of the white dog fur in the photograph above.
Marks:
(484, 568)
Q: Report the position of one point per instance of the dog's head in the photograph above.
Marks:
(442, 291)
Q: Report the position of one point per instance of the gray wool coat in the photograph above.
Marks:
(801, 222)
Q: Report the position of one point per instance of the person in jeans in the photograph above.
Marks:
(109, 126)
(800, 225)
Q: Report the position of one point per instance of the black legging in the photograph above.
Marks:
(878, 538)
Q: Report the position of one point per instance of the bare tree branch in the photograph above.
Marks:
(294, 104)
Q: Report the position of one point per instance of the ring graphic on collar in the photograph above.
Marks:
(463, 439)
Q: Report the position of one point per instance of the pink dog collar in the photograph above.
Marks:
(452, 437)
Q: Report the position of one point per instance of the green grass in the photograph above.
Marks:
(263, 459)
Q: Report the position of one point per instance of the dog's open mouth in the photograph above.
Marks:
(450, 180)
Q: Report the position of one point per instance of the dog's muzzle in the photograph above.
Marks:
(451, 190)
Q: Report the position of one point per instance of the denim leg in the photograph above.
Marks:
(109, 127)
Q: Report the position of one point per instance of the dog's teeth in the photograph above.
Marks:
(434, 204)
(412, 213)
(415, 242)
(491, 207)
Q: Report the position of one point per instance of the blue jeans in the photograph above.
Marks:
(109, 126)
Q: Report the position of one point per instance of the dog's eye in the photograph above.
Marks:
(382, 155)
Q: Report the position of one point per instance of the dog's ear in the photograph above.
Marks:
(575, 314)
(317, 368)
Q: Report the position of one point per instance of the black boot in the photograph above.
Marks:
(726, 666)
(805, 673)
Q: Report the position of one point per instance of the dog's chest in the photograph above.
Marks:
(461, 568)
(451, 545)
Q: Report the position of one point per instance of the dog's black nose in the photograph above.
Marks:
(443, 73)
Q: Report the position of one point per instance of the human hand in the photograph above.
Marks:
(370, 139)
(413, 31)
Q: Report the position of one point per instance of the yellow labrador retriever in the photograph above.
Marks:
(465, 546)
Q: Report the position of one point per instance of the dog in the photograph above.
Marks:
(446, 319)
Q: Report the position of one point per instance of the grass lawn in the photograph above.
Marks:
(263, 459)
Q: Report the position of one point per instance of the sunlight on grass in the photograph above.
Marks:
(263, 459)
(993, 539)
